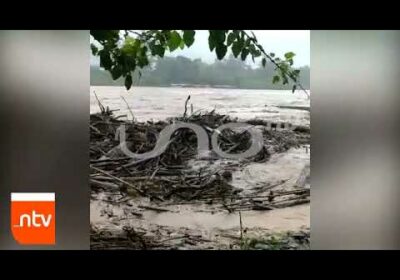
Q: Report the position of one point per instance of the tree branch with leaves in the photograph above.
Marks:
(122, 52)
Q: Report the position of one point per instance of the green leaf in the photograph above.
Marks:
(142, 61)
(211, 43)
(296, 72)
(276, 79)
(105, 60)
(218, 36)
(244, 54)
(174, 41)
(130, 64)
(264, 62)
(289, 55)
(221, 51)
(284, 79)
(128, 81)
(252, 48)
(188, 37)
(231, 38)
(256, 53)
(283, 66)
(260, 47)
(160, 36)
(105, 35)
(182, 45)
(116, 72)
(157, 50)
(143, 51)
(129, 41)
(130, 46)
(294, 88)
(237, 47)
(166, 34)
(151, 46)
(94, 49)
(272, 54)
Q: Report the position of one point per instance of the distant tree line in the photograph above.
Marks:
(180, 70)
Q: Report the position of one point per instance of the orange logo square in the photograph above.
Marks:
(33, 218)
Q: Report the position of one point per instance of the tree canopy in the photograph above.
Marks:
(125, 52)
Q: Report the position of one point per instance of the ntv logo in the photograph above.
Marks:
(203, 151)
(33, 218)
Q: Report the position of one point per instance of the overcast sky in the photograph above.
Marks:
(276, 41)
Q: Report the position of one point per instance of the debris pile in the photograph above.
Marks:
(162, 238)
(170, 179)
(169, 176)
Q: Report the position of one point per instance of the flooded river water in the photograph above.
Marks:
(151, 103)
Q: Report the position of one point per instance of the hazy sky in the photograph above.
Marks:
(276, 41)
